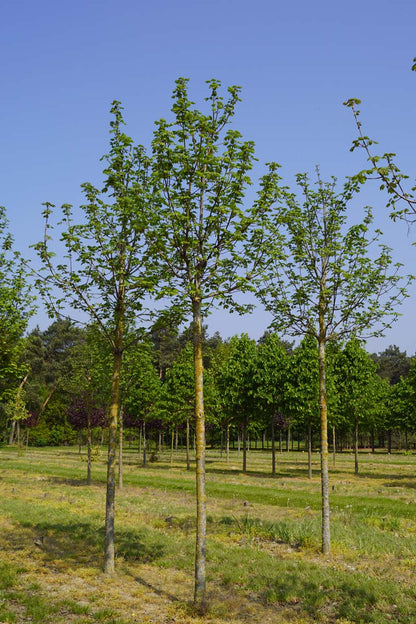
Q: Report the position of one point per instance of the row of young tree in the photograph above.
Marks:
(259, 392)
(171, 228)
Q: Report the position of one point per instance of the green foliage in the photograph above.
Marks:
(200, 177)
(141, 386)
(106, 274)
(400, 201)
(328, 268)
(392, 363)
(16, 307)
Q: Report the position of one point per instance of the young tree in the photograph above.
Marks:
(201, 171)
(327, 285)
(356, 375)
(271, 377)
(16, 307)
(303, 389)
(237, 384)
(142, 387)
(106, 275)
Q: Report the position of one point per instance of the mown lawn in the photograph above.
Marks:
(264, 562)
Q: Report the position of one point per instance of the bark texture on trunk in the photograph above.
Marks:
(201, 501)
(89, 445)
(109, 550)
(120, 450)
(323, 411)
(310, 446)
(356, 444)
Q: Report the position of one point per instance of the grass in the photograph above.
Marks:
(263, 558)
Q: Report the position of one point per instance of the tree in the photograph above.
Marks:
(142, 388)
(393, 364)
(179, 390)
(16, 307)
(237, 383)
(105, 273)
(356, 386)
(326, 284)
(200, 175)
(271, 376)
(303, 389)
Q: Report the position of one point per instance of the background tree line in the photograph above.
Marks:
(258, 395)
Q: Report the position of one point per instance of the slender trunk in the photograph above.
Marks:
(89, 447)
(172, 443)
(111, 465)
(201, 502)
(310, 446)
(389, 441)
(228, 443)
(280, 441)
(144, 442)
(188, 459)
(120, 450)
(334, 446)
(22, 383)
(273, 449)
(244, 448)
(288, 440)
(323, 412)
(11, 438)
(373, 449)
(356, 443)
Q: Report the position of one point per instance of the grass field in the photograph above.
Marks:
(263, 561)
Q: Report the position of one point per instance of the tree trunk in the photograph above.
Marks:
(89, 447)
(334, 446)
(310, 446)
(356, 444)
(144, 443)
(188, 459)
(244, 448)
(11, 438)
(323, 412)
(201, 502)
(172, 444)
(273, 449)
(228, 443)
(111, 465)
(120, 450)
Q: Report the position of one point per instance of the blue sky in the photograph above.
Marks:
(64, 62)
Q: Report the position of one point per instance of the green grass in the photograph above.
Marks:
(263, 554)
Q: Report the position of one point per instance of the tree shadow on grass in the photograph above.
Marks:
(75, 482)
(77, 541)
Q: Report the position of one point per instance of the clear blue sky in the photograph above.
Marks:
(64, 62)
